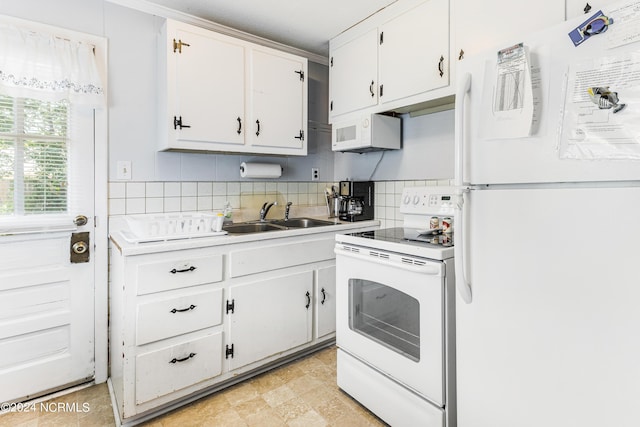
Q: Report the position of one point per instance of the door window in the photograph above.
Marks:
(33, 156)
(385, 315)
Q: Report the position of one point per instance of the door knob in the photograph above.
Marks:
(79, 248)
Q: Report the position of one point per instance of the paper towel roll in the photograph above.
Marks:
(260, 170)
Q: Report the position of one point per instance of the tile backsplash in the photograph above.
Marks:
(127, 198)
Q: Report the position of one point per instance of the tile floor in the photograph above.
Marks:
(302, 393)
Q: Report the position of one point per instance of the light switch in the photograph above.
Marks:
(123, 170)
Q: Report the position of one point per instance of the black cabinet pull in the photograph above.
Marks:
(301, 136)
(587, 8)
(441, 66)
(308, 295)
(182, 310)
(239, 125)
(186, 270)
(324, 296)
(184, 359)
(258, 131)
(371, 89)
(461, 55)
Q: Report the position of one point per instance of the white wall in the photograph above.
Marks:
(427, 144)
(427, 153)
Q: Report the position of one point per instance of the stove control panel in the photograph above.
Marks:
(438, 201)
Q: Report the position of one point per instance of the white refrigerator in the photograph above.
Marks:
(547, 232)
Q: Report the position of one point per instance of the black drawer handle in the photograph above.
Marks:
(324, 296)
(186, 270)
(308, 295)
(182, 310)
(184, 359)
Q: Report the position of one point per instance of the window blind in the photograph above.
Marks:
(34, 156)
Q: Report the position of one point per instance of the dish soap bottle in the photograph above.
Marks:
(228, 213)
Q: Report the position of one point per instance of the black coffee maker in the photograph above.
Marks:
(356, 200)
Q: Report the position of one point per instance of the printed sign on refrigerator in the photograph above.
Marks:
(601, 117)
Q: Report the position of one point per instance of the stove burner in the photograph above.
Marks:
(408, 236)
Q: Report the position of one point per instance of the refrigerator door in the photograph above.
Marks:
(551, 336)
(533, 159)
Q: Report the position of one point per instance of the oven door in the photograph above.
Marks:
(390, 315)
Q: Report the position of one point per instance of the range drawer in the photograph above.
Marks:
(178, 273)
(169, 317)
(164, 371)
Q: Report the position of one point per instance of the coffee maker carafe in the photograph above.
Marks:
(356, 200)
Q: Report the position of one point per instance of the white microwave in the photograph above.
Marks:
(368, 133)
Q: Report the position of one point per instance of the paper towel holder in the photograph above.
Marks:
(248, 170)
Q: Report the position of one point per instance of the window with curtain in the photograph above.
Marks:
(43, 77)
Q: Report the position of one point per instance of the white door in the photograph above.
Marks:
(552, 327)
(46, 301)
(390, 314)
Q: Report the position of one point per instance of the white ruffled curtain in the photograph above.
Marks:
(49, 68)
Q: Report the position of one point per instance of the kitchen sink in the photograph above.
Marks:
(274, 225)
(252, 227)
(302, 222)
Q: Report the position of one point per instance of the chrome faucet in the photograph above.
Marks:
(286, 211)
(265, 209)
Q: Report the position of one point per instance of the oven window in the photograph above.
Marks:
(386, 316)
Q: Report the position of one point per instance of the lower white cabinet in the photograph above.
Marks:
(325, 300)
(189, 321)
(269, 317)
(165, 370)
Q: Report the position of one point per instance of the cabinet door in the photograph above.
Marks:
(209, 81)
(577, 8)
(414, 51)
(483, 25)
(269, 317)
(278, 101)
(353, 74)
(326, 301)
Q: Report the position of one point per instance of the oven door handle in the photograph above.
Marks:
(416, 268)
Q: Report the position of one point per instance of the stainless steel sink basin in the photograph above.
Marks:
(302, 222)
(253, 227)
(274, 225)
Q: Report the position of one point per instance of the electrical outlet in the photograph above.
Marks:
(123, 170)
(315, 174)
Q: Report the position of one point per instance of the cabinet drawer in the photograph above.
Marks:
(172, 368)
(166, 318)
(256, 260)
(178, 273)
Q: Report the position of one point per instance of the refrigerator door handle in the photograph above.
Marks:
(460, 245)
(460, 126)
(462, 188)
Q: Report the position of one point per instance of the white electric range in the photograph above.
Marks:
(396, 315)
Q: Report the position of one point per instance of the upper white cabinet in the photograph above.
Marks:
(278, 104)
(395, 59)
(481, 25)
(414, 52)
(353, 70)
(221, 94)
(577, 8)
